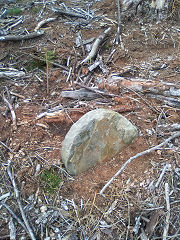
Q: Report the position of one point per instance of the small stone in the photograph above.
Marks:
(43, 209)
(100, 134)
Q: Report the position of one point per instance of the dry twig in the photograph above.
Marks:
(161, 175)
(119, 23)
(97, 91)
(13, 115)
(144, 100)
(154, 220)
(11, 73)
(67, 13)
(41, 23)
(4, 145)
(96, 45)
(17, 95)
(21, 37)
(166, 227)
(47, 72)
(14, 215)
(16, 193)
(136, 156)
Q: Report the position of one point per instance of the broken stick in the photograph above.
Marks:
(22, 37)
(41, 23)
(17, 196)
(96, 45)
(136, 156)
(13, 114)
(166, 227)
(119, 23)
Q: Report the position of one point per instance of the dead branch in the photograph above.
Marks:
(161, 175)
(10, 73)
(94, 65)
(4, 145)
(136, 156)
(47, 72)
(22, 37)
(119, 23)
(68, 13)
(59, 65)
(151, 225)
(80, 94)
(95, 46)
(14, 215)
(143, 235)
(4, 196)
(42, 9)
(166, 227)
(111, 55)
(41, 23)
(17, 95)
(17, 195)
(80, 41)
(145, 86)
(18, 21)
(174, 102)
(97, 91)
(144, 100)
(169, 127)
(13, 114)
(69, 74)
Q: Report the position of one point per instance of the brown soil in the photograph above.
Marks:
(38, 141)
(36, 135)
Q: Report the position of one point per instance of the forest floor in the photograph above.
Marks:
(57, 205)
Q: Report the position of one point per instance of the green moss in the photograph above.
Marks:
(50, 180)
(14, 11)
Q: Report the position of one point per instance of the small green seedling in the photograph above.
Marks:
(50, 179)
(50, 56)
(40, 62)
(35, 63)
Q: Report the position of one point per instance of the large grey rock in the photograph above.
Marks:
(98, 135)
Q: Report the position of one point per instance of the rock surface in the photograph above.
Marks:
(98, 135)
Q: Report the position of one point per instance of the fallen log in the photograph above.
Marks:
(145, 86)
(80, 94)
(21, 37)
